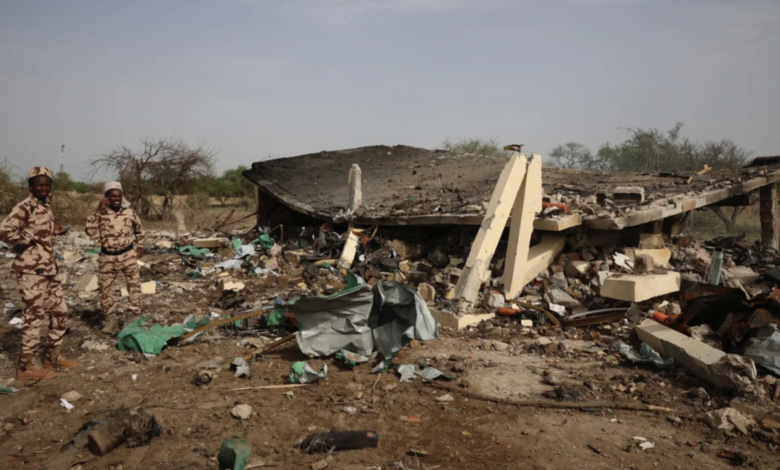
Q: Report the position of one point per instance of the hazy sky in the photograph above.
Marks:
(251, 78)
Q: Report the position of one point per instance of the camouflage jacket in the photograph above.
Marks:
(115, 230)
(31, 222)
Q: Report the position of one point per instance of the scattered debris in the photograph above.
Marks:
(335, 441)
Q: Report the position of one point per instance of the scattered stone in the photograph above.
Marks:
(242, 412)
(427, 292)
(149, 287)
(319, 465)
(71, 396)
(727, 419)
(560, 297)
(86, 283)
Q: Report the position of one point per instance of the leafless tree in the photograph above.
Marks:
(166, 167)
(571, 155)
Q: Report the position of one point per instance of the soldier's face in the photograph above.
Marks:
(114, 199)
(40, 186)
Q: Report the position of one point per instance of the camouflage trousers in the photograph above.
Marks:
(110, 267)
(41, 295)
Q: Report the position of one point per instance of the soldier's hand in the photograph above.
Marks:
(140, 251)
(103, 203)
(61, 229)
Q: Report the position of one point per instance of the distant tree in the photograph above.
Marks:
(487, 148)
(165, 167)
(222, 189)
(63, 182)
(572, 155)
(243, 187)
(652, 151)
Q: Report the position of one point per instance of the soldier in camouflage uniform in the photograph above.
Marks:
(30, 229)
(118, 229)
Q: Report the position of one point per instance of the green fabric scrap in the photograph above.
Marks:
(8, 390)
(302, 373)
(237, 244)
(264, 240)
(194, 251)
(134, 337)
(275, 317)
(92, 252)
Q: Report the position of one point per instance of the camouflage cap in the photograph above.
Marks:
(39, 171)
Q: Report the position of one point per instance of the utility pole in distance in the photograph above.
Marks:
(62, 157)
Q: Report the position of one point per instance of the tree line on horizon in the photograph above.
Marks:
(644, 150)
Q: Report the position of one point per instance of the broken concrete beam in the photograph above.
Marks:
(541, 256)
(210, 242)
(651, 240)
(86, 283)
(426, 291)
(458, 323)
(634, 288)
(694, 355)
(628, 195)
(349, 251)
(527, 204)
(493, 223)
(355, 188)
(661, 257)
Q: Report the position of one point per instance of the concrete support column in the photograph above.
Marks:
(769, 222)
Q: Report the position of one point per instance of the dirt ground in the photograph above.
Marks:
(496, 359)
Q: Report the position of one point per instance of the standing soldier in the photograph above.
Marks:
(30, 229)
(118, 229)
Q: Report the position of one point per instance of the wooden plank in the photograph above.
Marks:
(489, 234)
(527, 204)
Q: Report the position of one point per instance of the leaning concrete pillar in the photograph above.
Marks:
(496, 216)
(527, 205)
(769, 222)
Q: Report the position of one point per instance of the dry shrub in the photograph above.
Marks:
(11, 193)
(73, 209)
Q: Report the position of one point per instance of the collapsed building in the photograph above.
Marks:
(565, 247)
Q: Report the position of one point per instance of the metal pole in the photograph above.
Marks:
(62, 157)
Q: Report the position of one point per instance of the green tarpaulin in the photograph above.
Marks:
(134, 337)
